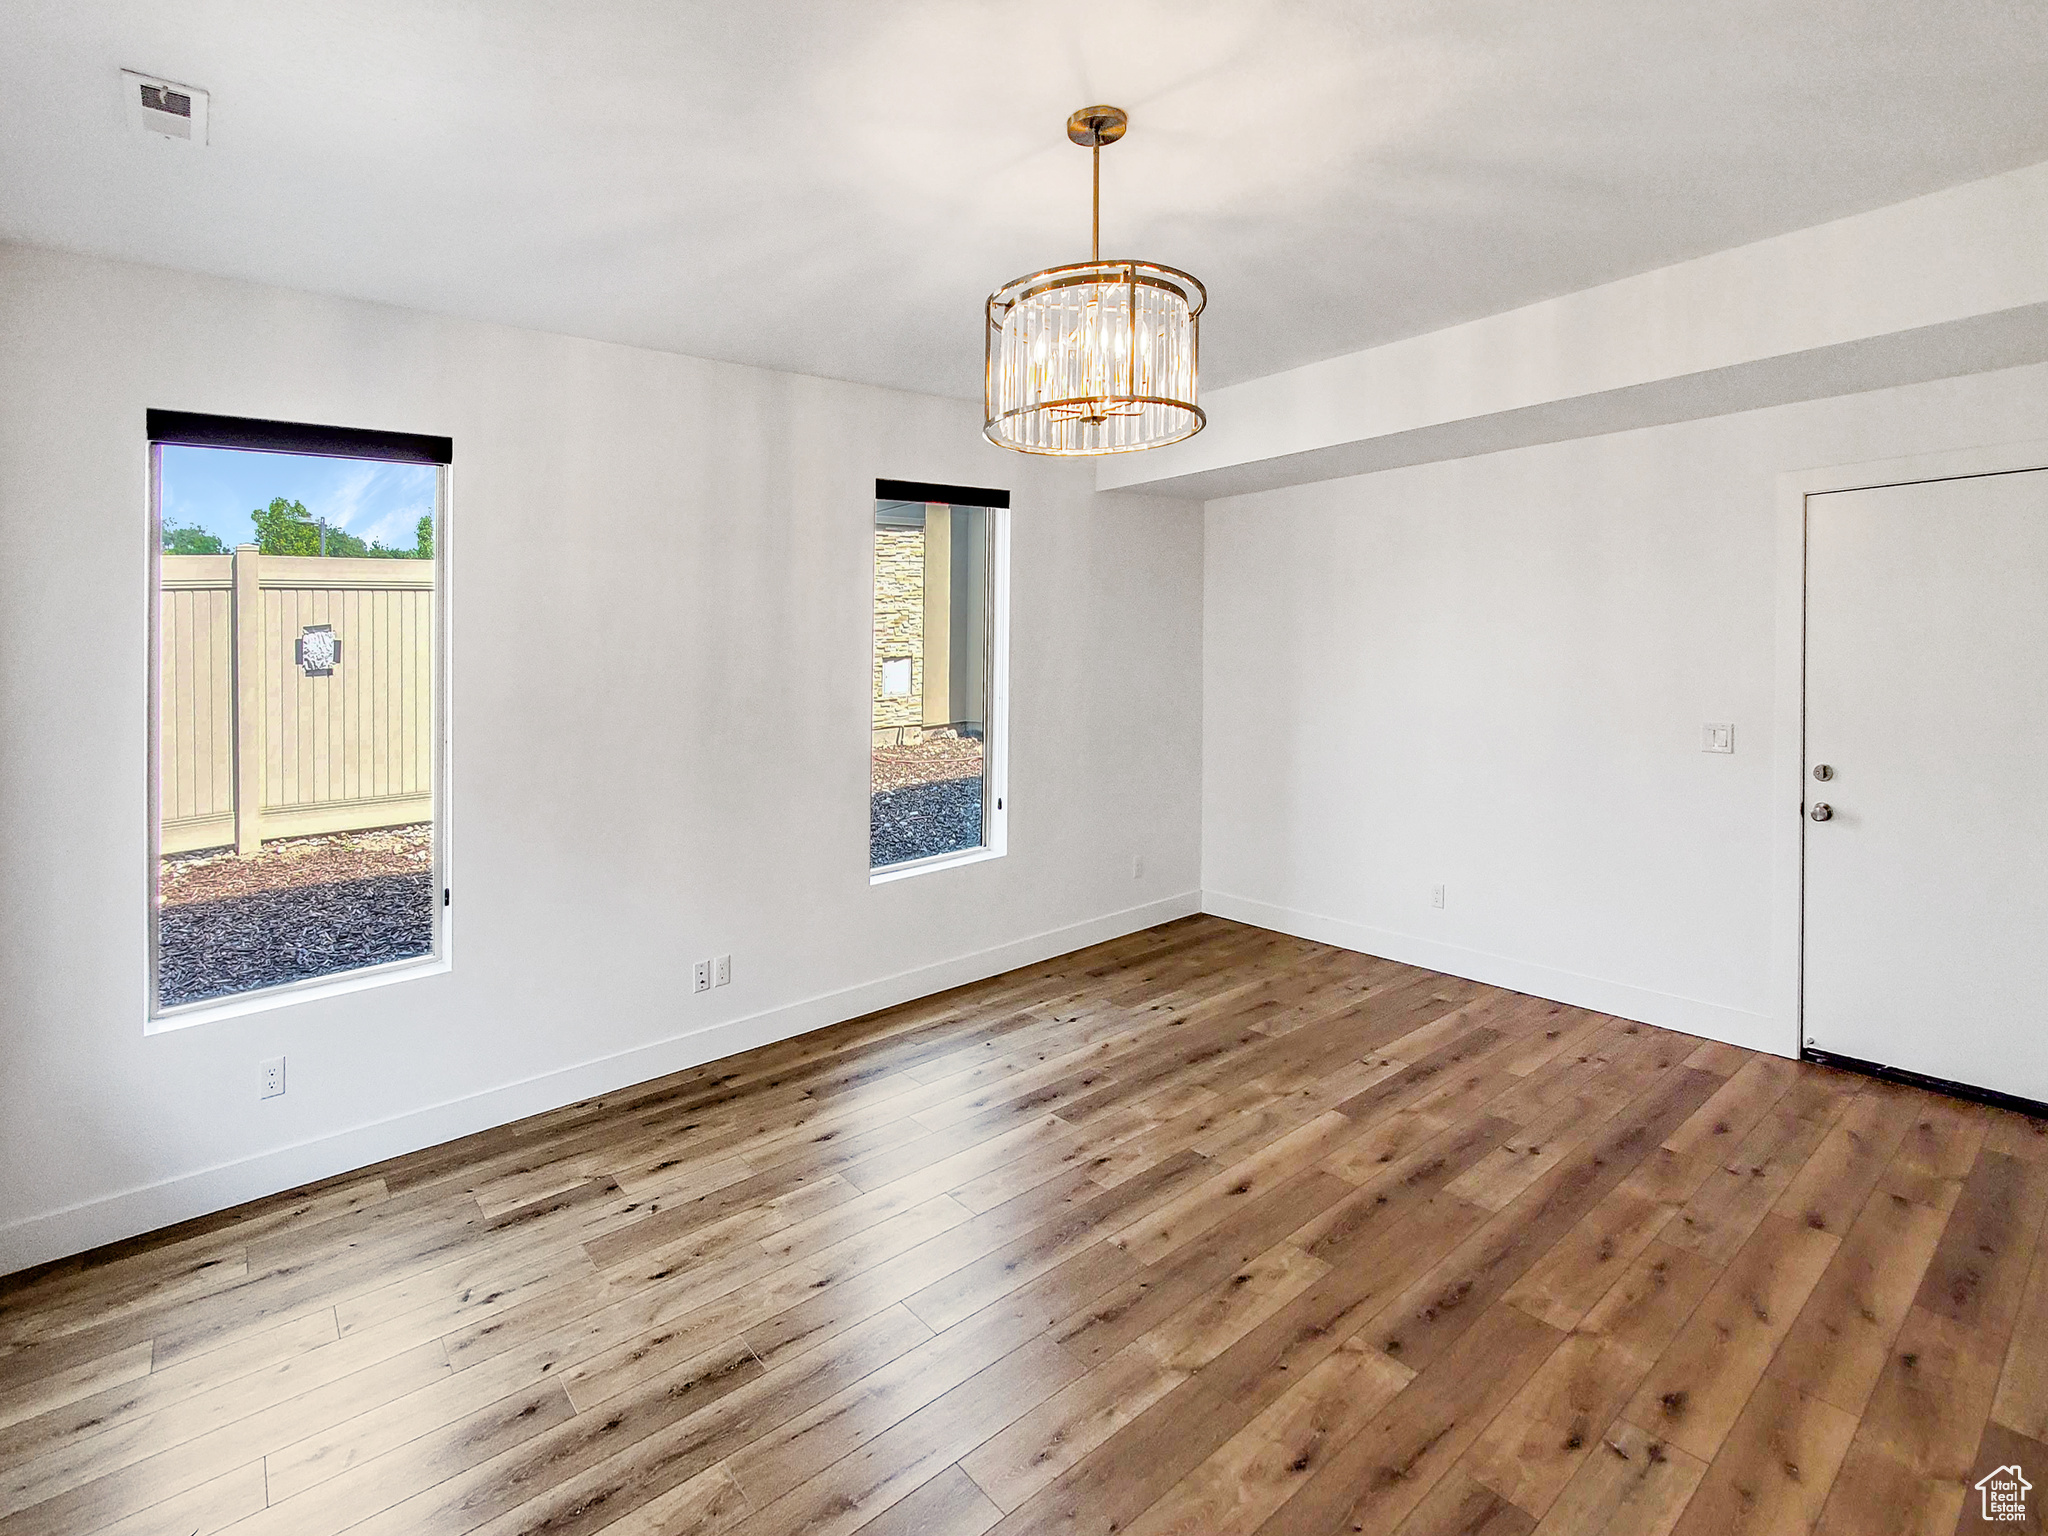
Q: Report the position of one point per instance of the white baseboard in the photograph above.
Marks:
(1714, 1021)
(75, 1229)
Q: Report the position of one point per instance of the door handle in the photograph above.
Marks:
(1822, 812)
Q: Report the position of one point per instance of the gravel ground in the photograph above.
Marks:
(926, 800)
(304, 907)
(923, 819)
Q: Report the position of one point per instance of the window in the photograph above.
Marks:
(296, 708)
(936, 753)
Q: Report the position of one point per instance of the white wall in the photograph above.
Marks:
(1491, 673)
(1311, 704)
(618, 516)
(1936, 287)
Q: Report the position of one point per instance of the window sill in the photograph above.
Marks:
(928, 866)
(269, 998)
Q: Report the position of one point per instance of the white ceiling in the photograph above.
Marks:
(832, 186)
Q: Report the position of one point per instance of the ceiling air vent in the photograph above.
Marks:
(165, 107)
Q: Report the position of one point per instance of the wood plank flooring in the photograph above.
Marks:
(1207, 1230)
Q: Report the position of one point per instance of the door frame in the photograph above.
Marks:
(1788, 754)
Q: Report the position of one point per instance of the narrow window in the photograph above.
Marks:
(296, 706)
(936, 751)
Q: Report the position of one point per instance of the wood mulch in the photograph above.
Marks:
(216, 874)
(304, 907)
(926, 762)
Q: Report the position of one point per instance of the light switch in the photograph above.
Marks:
(1717, 738)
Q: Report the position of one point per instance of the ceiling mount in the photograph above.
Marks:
(1093, 127)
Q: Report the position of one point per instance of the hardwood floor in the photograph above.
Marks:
(1206, 1230)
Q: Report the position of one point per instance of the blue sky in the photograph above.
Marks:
(217, 488)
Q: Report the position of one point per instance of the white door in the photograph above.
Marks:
(1927, 701)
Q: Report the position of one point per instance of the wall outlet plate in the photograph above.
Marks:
(273, 1077)
(721, 975)
(1436, 896)
(701, 980)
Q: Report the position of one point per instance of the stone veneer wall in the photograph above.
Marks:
(899, 622)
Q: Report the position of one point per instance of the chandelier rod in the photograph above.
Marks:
(1095, 228)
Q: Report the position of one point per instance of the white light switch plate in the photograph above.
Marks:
(1717, 738)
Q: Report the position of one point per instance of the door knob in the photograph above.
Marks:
(1822, 812)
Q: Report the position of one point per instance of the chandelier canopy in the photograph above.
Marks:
(1095, 356)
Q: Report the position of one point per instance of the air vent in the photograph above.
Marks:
(165, 107)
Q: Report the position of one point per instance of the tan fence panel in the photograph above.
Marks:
(354, 749)
(196, 703)
(343, 752)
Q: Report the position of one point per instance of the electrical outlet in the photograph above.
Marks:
(1436, 896)
(722, 977)
(273, 1077)
(1137, 866)
(702, 982)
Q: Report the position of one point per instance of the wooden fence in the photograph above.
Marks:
(252, 745)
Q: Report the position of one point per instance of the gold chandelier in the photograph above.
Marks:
(1096, 356)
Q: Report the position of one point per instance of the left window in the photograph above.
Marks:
(297, 707)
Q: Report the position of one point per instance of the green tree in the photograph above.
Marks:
(343, 545)
(423, 543)
(191, 539)
(285, 528)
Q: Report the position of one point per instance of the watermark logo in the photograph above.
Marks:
(318, 650)
(2004, 1490)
